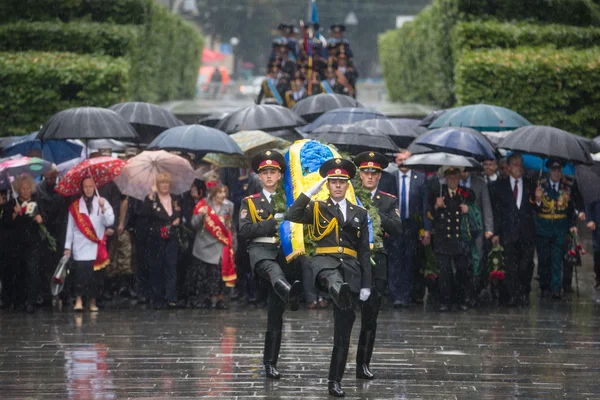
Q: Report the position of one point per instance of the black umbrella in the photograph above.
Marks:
(354, 139)
(546, 142)
(261, 117)
(289, 134)
(148, 120)
(87, 123)
(419, 149)
(432, 116)
(588, 182)
(213, 119)
(314, 106)
(463, 141)
(196, 138)
(591, 146)
(342, 116)
(432, 161)
(401, 133)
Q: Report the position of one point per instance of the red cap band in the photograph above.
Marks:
(338, 172)
(370, 164)
(269, 164)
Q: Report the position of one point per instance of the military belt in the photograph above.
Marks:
(272, 240)
(552, 216)
(337, 250)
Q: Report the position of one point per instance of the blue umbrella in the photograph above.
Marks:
(342, 116)
(54, 151)
(481, 117)
(198, 139)
(462, 141)
(539, 164)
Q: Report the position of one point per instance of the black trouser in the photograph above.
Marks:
(343, 321)
(518, 265)
(448, 279)
(14, 279)
(597, 265)
(162, 257)
(28, 260)
(142, 267)
(269, 270)
(245, 282)
(87, 282)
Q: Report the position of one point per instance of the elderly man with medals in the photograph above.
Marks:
(259, 225)
(341, 264)
(370, 165)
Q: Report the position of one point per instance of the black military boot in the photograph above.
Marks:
(271, 354)
(341, 295)
(289, 293)
(337, 366)
(363, 356)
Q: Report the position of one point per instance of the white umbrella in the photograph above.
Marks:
(139, 175)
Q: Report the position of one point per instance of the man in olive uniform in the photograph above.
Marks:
(341, 264)
(450, 247)
(371, 165)
(555, 216)
(258, 224)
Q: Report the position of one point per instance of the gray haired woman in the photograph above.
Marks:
(214, 245)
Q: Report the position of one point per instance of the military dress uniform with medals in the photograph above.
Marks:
(555, 215)
(391, 224)
(341, 264)
(258, 225)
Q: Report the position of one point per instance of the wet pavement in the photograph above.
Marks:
(548, 351)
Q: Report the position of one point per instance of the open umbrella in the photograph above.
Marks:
(432, 161)
(101, 169)
(429, 118)
(462, 141)
(148, 119)
(213, 119)
(199, 139)
(25, 165)
(263, 117)
(139, 174)
(314, 106)
(588, 182)
(54, 151)
(87, 123)
(354, 139)
(401, 133)
(482, 117)
(547, 142)
(342, 116)
(251, 143)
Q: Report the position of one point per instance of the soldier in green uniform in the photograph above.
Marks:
(341, 264)
(555, 217)
(258, 224)
(371, 165)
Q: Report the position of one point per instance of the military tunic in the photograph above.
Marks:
(391, 224)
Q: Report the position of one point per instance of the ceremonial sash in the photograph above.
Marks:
(327, 87)
(342, 79)
(84, 224)
(217, 228)
(274, 91)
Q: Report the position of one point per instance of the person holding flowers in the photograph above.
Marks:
(449, 207)
(22, 218)
(163, 212)
(89, 217)
(213, 266)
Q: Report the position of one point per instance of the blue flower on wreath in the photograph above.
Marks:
(312, 155)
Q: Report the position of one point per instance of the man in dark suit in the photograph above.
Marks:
(258, 224)
(413, 203)
(341, 265)
(370, 165)
(514, 223)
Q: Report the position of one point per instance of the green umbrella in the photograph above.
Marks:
(251, 143)
(481, 117)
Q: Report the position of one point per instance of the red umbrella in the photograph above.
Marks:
(101, 169)
(209, 55)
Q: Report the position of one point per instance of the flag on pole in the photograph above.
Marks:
(314, 17)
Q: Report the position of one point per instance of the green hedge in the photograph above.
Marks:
(486, 35)
(74, 37)
(115, 11)
(426, 42)
(35, 85)
(548, 86)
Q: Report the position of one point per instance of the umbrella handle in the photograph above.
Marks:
(95, 187)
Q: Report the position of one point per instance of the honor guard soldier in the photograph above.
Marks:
(341, 264)
(337, 33)
(258, 224)
(371, 166)
(555, 216)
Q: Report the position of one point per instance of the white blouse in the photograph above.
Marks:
(81, 247)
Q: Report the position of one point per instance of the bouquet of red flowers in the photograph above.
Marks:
(574, 250)
(164, 231)
(496, 263)
(430, 269)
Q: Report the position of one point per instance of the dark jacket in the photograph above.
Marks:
(157, 217)
(447, 221)
(353, 235)
(511, 223)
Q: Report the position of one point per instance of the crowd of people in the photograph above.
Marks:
(313, 65)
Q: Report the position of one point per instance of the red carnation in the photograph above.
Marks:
(164, 232)
(431, 277)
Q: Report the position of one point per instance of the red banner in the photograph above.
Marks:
(84, 224)
(214, 226)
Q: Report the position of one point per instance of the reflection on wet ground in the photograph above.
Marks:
(548, 351)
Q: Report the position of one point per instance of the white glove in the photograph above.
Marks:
(279, 216)
(316, 188)
(364, 294)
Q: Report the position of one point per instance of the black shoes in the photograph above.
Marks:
(271, 372)
(335, 389)
(271, 354)
(29, 308)
(290, 294)
(364, 351)
(556, 295)
(221, 305)
(363, 372)
(341, 295)
(464, 307)
(444, 308)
